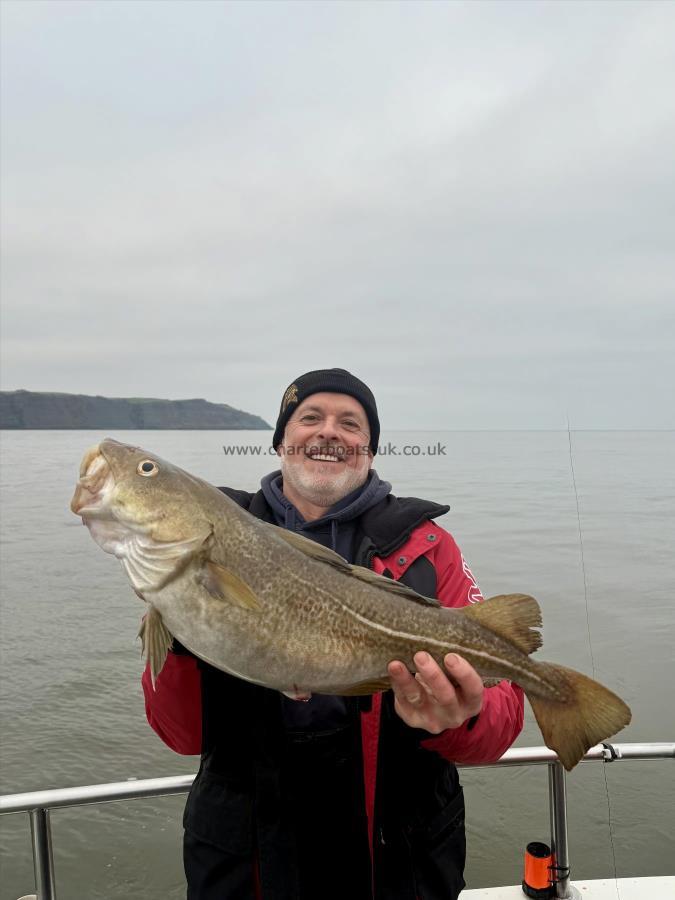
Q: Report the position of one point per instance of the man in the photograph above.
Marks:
(336, 797)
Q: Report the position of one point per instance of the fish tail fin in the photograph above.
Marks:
(590, 714)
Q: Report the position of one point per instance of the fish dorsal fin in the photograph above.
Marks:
(393, 587)
(512, 616)
(323, 554)
(223, 584)
(312, 549)
(156, 640)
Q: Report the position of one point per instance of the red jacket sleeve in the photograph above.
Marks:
(501, 717)
(174, 705)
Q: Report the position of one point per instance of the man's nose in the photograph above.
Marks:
(329, 429)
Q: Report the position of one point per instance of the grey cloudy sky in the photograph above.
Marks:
(470, 205)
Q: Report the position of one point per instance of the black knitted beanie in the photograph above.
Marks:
(336, 381)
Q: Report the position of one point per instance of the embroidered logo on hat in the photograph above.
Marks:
(291, 396)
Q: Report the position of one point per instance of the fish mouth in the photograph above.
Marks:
(124, 528)
(95, 485)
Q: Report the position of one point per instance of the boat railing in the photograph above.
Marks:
(39, 803)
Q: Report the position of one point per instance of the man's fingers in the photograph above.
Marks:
(404, 685)
(400, 676)
(435, 679)
(424, 685)
(458, 689)
(468, 681)
(436, 697)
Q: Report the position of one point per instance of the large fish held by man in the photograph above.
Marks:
(279, 610)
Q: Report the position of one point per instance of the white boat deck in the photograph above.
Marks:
(656, 888)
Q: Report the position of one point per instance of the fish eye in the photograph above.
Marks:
(147, 467)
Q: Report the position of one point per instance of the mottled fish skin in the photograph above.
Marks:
(317, 628)
(277, 609)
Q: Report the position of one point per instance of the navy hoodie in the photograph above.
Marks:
(336, 529)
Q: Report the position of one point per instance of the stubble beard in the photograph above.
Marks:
(319, 488)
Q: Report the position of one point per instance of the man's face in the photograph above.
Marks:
(325, 453)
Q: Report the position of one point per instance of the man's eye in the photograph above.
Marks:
(308, 418)
(351, 424)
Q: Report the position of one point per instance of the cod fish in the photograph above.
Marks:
(278, 610)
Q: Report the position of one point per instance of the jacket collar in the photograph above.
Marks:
(390, 523)
(385, 526)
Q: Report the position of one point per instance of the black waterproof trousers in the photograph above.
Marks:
(326, 839)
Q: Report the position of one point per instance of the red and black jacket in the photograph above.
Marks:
(411, 792)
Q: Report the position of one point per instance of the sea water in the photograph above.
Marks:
(72, 706)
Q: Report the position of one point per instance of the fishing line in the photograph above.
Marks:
(581, 547)
(590, 644)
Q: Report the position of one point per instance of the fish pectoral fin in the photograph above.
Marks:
(225, 585)
(363, 688)
(515, 617)
(156, 640)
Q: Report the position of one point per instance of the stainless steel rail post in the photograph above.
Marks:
(43, 858)
(558, 808)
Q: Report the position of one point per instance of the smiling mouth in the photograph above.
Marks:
(324, 455)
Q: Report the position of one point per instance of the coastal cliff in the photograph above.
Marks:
(33, 409)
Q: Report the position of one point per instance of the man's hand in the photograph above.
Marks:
(432, 699)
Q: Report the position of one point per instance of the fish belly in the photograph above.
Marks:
(275, 647)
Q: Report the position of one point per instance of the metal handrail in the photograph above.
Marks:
(605, 752)
(39, 803)
(132, 789)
